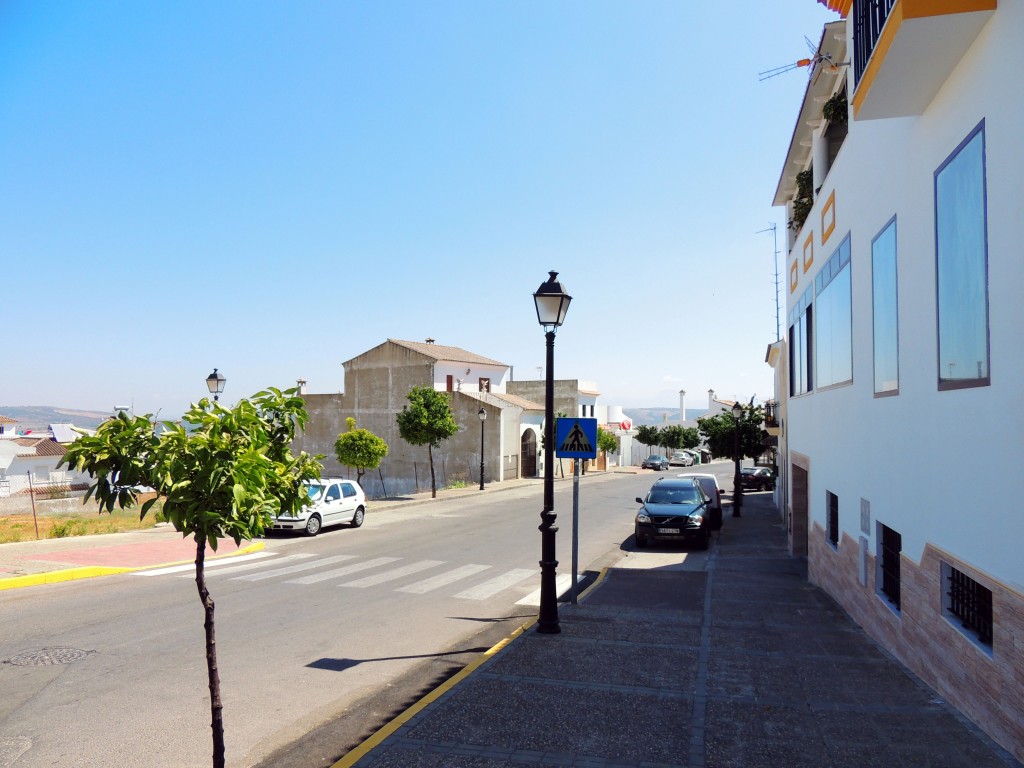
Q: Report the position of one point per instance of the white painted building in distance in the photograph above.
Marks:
(903, 355)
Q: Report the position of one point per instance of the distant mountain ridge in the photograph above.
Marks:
(661, 416)
(39, 417)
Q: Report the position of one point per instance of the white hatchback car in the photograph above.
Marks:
(333, 501)
(709, 483)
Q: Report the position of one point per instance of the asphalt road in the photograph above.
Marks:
(343, 628)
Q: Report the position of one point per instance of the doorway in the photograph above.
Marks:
(799, 518)
(528, 453)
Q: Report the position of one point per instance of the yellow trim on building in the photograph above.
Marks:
(828, 214)
(808, 249)
(908, 9)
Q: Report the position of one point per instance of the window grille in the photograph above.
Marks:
(833, 519)
(970, 602)
(892, 545)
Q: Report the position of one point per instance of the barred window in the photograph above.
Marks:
(970, 604)
(889, 547)
(833, 518)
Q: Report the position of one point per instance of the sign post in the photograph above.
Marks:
(575, 439)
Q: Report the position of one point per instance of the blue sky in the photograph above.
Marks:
(274, 188)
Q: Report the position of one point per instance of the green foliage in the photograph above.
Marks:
(607, 441)
(804, 200)
(225, 477)
(648, 435)
(836, 110)
(691, 437)
(719, 432)
(427, 420)
(359, 448)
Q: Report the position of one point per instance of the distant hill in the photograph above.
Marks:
(660, 416)
(39, 417)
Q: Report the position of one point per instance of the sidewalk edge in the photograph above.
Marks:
(374, 741)
(92, 571)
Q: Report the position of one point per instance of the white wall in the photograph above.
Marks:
(471, 380)
(934, 465)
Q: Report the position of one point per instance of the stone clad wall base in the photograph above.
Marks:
(986, 685)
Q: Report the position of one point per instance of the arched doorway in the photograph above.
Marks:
(528, 453)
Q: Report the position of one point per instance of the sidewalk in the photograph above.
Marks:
(742, 665)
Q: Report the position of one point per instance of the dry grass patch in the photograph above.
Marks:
(20, 527)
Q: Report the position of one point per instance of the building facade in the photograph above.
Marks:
(902, 358)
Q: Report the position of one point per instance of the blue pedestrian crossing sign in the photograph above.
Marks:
(576, 438)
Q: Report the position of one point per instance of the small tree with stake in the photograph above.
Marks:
(359, 448)
(427, 420)
(227, 476)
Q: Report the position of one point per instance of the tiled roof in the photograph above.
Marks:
(447, 354)
(842, 7)
(519, 402)
(40, 446)
(6, 420)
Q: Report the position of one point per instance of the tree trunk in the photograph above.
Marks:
(433, 480)
(216, 707)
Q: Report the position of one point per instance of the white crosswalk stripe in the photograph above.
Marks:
(338, 572)
(208, 566)
(498, 584)
(563, 583)
(294, 568)
(393, 574)
(443, 579)
(251, 566)
(262, 566)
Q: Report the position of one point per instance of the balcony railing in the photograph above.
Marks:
(869, 18)
(771, 418)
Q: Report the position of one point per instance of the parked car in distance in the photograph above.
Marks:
(675, 509)
(333, 501)
(681, 459)
(656, 462)
(757, 478)
(709, 483)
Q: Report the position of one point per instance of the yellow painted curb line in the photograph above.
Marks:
(376, 739)
(91, 571)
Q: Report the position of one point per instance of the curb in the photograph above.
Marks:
(92, 571)
(378, 738)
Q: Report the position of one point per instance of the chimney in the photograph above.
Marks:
(430, 340)
(682, 405)
(711, 399)
(301, 384)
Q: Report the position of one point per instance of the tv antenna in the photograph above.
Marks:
(775, 243)
(815, 58)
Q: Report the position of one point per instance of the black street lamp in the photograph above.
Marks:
(215, 383)
(737, 480)
(483, 417)
(552, 303)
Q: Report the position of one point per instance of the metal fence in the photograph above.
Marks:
(25, 496)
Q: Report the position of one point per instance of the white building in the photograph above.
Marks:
(903, 358)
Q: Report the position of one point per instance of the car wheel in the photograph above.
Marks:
(718, 520)
(313, 525)
(357, 518)
(641, 542)
(704, 538)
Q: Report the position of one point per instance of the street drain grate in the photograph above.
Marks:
(45, 657)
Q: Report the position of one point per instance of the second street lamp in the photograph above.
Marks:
(215, 383)
(552, 302)
(483, 417)
(737, 479)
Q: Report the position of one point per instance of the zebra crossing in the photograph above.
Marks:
(470, 581)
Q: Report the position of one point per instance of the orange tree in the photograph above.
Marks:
(225, 476)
